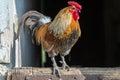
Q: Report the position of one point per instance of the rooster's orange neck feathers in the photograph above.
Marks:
(61, 22)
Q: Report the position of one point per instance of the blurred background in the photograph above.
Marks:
(99, 45)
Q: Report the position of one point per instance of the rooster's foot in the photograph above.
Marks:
(64, 64)
(56, 71)
(65, 67)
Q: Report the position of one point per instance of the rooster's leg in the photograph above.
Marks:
(64, 64)
(55, 67)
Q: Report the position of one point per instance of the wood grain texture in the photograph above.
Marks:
(30, 73)
(43, 74)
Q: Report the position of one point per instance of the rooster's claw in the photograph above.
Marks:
(65, 67)
(56, 72)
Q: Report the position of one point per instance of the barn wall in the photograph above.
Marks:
(7, 36)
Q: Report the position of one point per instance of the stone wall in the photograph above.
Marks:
(7, 38)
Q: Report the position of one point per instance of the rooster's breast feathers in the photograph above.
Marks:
(63, 42)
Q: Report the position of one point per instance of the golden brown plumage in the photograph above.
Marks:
(62, 27)
(58, 36)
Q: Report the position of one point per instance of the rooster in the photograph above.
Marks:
(57, 36)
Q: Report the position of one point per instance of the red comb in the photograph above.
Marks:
(75, 4)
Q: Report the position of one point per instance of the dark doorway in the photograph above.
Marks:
(89, 50)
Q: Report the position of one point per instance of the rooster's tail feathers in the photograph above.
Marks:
(33, 19)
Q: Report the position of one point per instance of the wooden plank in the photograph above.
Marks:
(75, 74)
(18, 77)
(101, 73)
(53, 77)
(48, 71)
(46, 77)
(29, 73)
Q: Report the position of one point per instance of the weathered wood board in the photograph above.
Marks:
(30, 73)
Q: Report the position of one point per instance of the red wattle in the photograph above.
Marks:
(76, 16)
